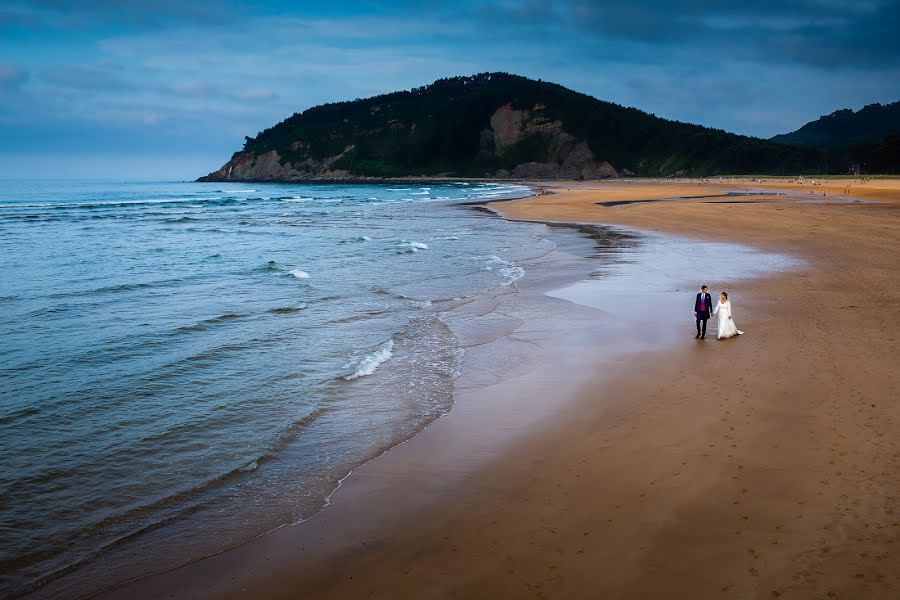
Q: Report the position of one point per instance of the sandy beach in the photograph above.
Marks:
(766, 466)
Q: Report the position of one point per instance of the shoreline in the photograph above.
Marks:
(395, 546)
(621, 180)
(591, 235)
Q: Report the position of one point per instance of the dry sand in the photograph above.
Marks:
(766, 466)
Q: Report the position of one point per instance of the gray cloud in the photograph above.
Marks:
(253, 95)
(140, 14)
(11, 77)
(818, 33)
(106, 75)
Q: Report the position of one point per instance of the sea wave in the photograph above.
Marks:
(509, 271)
(112, 289)
(410, 247)
(364, 315)
(222, 318)
(285, 310)
(370, 363)
(107, 203)
(205, 324)
(359, 238)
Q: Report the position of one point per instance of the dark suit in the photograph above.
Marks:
(702, 315)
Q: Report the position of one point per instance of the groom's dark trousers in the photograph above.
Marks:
(702, 306)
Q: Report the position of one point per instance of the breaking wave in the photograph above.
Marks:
(371, 362)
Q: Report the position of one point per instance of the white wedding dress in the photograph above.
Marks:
(727, 328)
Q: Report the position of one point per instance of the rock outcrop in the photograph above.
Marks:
(270, 166)
(567, 157)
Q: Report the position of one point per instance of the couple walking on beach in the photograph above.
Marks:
(703, 309)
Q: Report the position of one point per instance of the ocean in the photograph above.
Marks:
(185, 366)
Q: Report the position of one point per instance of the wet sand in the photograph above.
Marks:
(759, 467)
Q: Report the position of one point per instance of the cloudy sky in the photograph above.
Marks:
(168, 88)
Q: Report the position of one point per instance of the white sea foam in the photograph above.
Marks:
(410, 247)
(512, 273)
(299, 274)
(371, 362)
(507, 270)
(251, 466)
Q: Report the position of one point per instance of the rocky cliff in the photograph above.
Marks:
(567, 157)
(269, 166)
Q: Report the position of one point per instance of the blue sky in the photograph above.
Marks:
(169, 89)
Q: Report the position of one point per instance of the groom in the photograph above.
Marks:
(702, 308)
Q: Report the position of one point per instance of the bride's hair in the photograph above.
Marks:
(725, 294)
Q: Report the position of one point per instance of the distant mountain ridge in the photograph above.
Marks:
(845, 129)
(497, 125)
(869, 137)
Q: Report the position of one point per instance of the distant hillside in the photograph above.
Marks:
(845, 129)
(868, 137)
(497, 125)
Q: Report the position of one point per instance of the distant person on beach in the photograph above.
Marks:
(702, 308)
(727, 328)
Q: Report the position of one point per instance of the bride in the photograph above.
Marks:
(727, 328)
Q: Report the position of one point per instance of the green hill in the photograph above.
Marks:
(498, 125)
(845, 129)
(869, 137)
